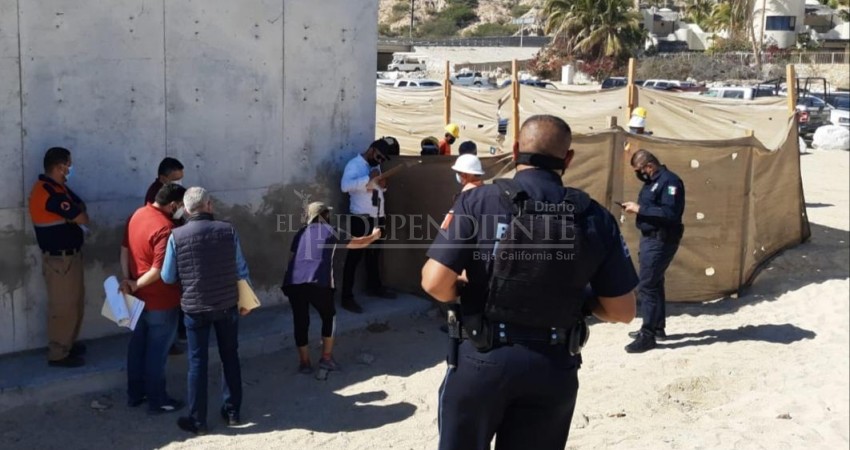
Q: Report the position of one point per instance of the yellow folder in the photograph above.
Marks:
(247, 298)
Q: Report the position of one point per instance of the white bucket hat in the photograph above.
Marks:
(468, 164)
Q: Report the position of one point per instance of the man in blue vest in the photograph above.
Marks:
(205, 257)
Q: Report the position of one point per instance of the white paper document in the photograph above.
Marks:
(122, 309)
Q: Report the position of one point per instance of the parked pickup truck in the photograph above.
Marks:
(468, 78)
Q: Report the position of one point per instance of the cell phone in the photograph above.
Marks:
(619, 204)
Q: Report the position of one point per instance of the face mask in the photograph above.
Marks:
(374, 162)
(451, 140)
(181, 211)
(177, 182)
(70, 172)
(459, 179)
(642, 176)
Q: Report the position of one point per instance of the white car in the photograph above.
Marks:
(417, 83)
(407, 63)
(468, 78)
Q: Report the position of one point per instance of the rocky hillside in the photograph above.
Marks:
(394, 15)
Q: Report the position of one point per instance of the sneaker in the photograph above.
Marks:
(329, 364)
(78, 349)
(189, 424)
(231, 418)
(305, 368)
(660, 335)
(642, 343)
(67, 362)
(350, 305)
(381, 293)
(171, 405)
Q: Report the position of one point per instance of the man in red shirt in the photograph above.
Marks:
(170, 171)
(143, 252)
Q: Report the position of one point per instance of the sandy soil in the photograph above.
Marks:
(768, 370)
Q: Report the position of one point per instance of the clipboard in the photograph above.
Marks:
(395, 170)
(247, 298)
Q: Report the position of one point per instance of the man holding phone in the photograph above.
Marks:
(365, 186)
(658, 211)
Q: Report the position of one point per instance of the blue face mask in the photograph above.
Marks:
(70, 172)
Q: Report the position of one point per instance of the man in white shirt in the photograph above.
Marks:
(366, 191)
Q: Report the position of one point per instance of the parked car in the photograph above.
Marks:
(840, 103)
(407, 63)
(468, 78)
(535, 83)
(740, 92)
(416, 83)
(614, 82)
(812, 113)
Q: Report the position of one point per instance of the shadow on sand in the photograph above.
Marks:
(774, 334)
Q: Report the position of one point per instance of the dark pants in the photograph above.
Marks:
(198, 325)
(147, 355)
(301, 296)
(361, 226)
(524, 396)
(654, 256)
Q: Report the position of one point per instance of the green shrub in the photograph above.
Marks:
(520, 10)
(439, 27)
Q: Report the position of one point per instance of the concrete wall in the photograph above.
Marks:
(262, 100)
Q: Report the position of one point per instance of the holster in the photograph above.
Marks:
(578, 337)
(453, 320)
(479, 332)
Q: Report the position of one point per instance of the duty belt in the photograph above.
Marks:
(508, 334)
(70, 252)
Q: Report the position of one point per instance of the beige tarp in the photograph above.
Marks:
(694, 117)
(744, 202)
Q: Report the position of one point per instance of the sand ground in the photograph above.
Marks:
(768, 370)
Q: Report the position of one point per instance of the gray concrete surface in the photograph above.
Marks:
(25, 378)
(262, 100)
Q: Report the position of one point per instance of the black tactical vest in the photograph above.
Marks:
(541, 264)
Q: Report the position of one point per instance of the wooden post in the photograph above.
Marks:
(612, 121)
(447, 93)
(632, 89)
(515, 87)
(791, 82)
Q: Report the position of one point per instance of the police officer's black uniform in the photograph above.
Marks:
(524, 389)
(662, 203)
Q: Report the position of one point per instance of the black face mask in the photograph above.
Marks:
(450, 139)
(642, 176)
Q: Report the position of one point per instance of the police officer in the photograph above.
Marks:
(516, 373)
(59, 216)
(658, 211)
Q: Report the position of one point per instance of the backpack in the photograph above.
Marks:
(537, 275)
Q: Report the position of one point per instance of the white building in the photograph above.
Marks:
(778, 22)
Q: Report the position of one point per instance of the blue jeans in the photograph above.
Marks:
(147, 355)
(655, 256)
(198, 325)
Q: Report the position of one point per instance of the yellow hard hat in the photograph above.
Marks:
(453, 129)
(640, 111)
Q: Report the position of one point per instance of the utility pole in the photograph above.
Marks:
(410, 35)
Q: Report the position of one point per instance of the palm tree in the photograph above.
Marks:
(595, 28)
(734, 16)
(699, 12)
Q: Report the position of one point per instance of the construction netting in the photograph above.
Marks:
(739, 161)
